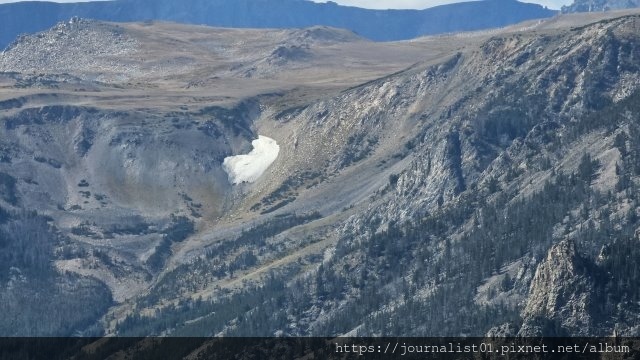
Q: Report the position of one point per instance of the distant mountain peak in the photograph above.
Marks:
(378, 25)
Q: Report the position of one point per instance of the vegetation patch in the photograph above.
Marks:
(8, 190)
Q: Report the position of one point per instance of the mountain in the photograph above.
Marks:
(476, 183)
(599, 5)
(379, 25)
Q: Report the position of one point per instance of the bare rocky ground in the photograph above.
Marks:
(117, 133)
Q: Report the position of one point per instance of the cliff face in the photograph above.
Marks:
(572, 295)
(562, 293)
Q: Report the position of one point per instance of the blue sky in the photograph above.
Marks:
(400, 4)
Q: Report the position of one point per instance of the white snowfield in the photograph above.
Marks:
(249, 167)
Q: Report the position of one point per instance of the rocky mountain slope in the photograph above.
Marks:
(599, 5)
(468, 184)
(385, 25)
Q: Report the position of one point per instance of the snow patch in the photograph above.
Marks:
(249, 167)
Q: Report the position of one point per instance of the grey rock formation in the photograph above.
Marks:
(562, 291)
(504, 330)
(599, 5)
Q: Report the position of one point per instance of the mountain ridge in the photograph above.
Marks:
(379, 25)
(599, 5)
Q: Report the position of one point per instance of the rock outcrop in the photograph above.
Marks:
(562, 295)
(599, 5)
